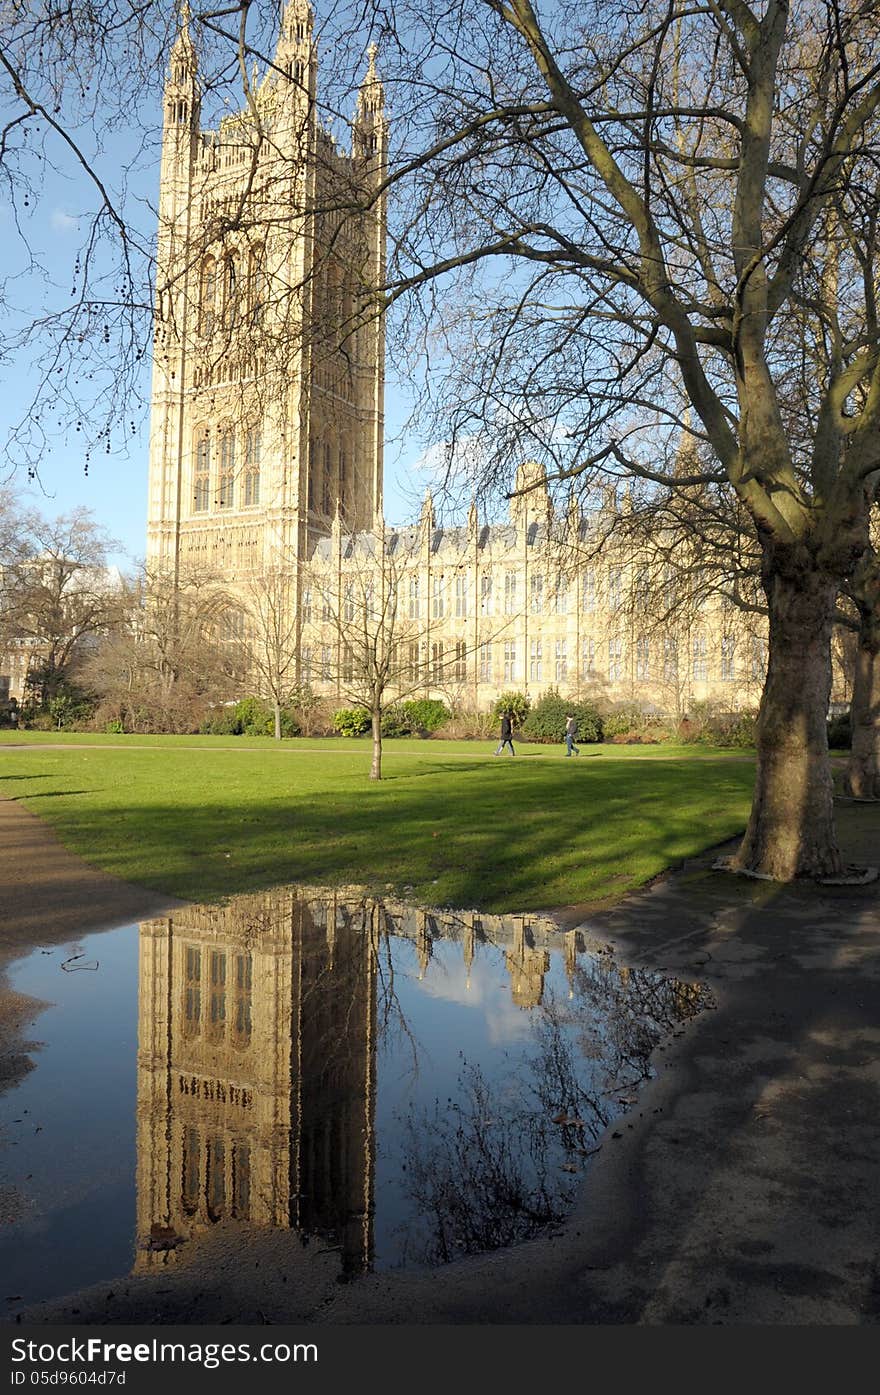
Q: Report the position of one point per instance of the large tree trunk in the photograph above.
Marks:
(376, 767)
(791, 828)
(862, 779)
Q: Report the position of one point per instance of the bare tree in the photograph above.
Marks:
(376, 649)
(862, 779)
(271, 632)
(668, 194)
(178, 653)
(58, 594)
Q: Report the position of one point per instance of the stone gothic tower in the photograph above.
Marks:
(268, 377)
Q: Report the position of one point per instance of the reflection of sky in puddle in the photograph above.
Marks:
(404, 1086)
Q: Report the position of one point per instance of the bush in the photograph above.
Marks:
(840, 732)
(114, 728)
(625, 721)
(425, 715)
(471, 724)
(712, 726)
(40, 721)
(351, 721)
(517, 704)
(223, 721)
(546, 721)
(395, 722)
(250, 716)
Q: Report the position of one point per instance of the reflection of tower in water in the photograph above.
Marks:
(256, 1071)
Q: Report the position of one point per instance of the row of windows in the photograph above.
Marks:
(331, 479)
(218, 480)
(216, 1176)
(546, 661)
(211, 1007)
(436, 663)
(453, 596)
(223, 299)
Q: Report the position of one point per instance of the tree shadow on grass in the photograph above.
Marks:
(56, 794)
(517, 842)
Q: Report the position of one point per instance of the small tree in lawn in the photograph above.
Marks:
(271, 639)
(380, 653)
(372, 656)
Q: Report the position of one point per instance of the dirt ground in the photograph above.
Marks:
(741, 1189)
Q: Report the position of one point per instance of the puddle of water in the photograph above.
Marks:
(407, 1086)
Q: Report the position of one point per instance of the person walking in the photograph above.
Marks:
(571, 731)
(506, 734)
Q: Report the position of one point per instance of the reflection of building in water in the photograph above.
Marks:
(257, 1054)
(522, 938)
(256, 1070)
(527, 967)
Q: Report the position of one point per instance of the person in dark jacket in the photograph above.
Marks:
(506, 734)
(571, 731)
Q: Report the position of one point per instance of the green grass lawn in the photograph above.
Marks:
(202, 817)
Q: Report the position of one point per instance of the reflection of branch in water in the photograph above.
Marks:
(621, 1014)
(479, 1173)
(391, 1020)
(487, 1170)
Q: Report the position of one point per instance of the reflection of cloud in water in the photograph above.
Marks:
(449, 980)
(395, 1082)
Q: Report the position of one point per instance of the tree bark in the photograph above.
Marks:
(862, 779)
(277, 709)
(376, 767)
(791, 828)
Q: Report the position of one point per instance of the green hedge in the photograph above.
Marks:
(424, 715)
(251, 716)
(421, 717)
(517, 704)
(351, 721)
(546, 721)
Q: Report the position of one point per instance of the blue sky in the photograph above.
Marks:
(38, 253)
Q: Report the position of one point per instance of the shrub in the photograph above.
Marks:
(546, 721)
(114, 728)
(840, 732)
(425, 715)
(395, 722)
(624, 721)
(711, 726)
(41, 721)
(351, 721)
(250, 716)
(477, 724)
(223, 721)
(310, 711)
(739, 731)
(517, 704)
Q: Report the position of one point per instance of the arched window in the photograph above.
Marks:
(226, 482)
(230, 292)
(202, 474)
(243, 983)
(326, 491)
(253, 446)
(191, 1181)
(207, 296)
(343, 481)
(256, 289)
(216, 1178)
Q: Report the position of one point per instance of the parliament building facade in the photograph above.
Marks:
(267, 433)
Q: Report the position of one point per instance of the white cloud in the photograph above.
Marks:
(443, 461)
(63, 222)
